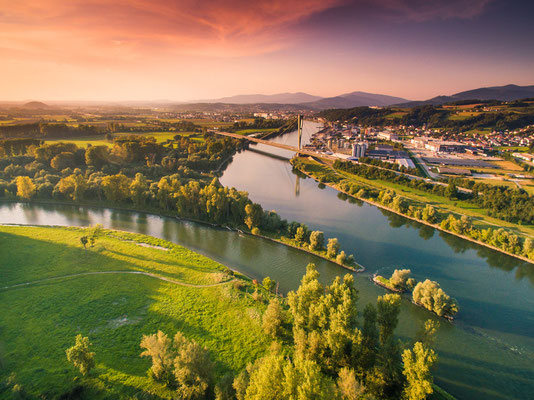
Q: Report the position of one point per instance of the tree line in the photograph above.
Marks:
(508, 204)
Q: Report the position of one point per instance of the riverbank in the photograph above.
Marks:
(359, 268)
(435, 226)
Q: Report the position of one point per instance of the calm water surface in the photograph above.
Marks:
(488, 353)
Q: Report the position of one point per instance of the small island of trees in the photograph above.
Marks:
(427, 294)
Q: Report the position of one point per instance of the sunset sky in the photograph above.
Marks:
(196, 49)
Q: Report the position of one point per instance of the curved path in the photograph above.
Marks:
(162, 278)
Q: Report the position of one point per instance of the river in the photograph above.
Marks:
(488, 353)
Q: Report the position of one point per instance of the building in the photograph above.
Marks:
(405, 162)
(359, 149)
(388, 136)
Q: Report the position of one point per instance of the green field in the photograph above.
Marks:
(40, 320)
(100, 140)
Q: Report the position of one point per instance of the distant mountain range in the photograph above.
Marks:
(308, 101)
(280, 98)
(502, 93)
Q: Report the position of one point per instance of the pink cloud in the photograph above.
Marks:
(127, 29)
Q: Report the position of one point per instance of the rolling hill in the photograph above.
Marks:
(502, 93)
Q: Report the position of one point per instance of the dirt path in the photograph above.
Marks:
(162, 278)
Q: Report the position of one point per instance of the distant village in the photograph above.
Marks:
(453, 153)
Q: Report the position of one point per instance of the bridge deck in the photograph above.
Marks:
(274, 144)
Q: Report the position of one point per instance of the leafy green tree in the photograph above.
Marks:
(97, 156)
(400, 279)
(116, 187)
(63, 160)
(417, 369)
(301, 234)
(193, 370)
(308, 293)
(316, 240)
(370, 338)
(341, 258)
(139, 190)
(429, 295)
(266, 380)
(429, 214)
(253, 215)
(273, 319)
(388, 309)
(451, 191)
(25, 187)
(81, 356)
(303, 380)
(224, 389)
(332, 248)
(158, 347)
(348, 385)
(268, 284)
(73, 186)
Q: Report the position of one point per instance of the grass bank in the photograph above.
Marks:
(39, 321)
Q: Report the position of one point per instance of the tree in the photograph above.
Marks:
(451, 191)
(139, 190)
(180, 363)
(158, 347)
(388, 309)
(25, 187)
(266, 379)
(73, 186)
(300, 234)
(273, 319)
(84, 240)
(253, 215)
(417, 367)
(309, 292)
(429, 214)
(97, 156)
(80, 355)
(332, 248)
(429, 295)
(341, 257)
(116, 187)
(400, 279)
(268, 284)
(63, 160)
(304, 380)
(193, 370)
(316, 240)
(348, 385)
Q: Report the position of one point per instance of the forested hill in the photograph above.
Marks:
(454, 116)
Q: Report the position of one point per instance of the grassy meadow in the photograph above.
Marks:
(40, 320)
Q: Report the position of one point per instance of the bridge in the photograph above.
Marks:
(299, 150)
